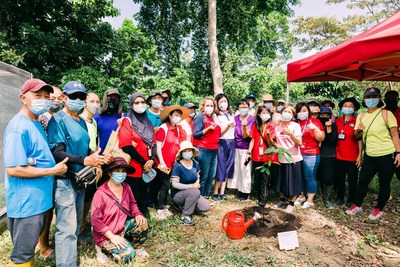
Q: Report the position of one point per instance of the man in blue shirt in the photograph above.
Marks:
(30, 170)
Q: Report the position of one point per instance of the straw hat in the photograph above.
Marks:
(166, 111)
(119, 162)
(186, 145)
(268, 97)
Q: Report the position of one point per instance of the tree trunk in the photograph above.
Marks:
(212, 44)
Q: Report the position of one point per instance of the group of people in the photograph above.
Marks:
(192, 152)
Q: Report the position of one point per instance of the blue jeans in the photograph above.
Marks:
(310, 165)
(69, 212)
(208, 168)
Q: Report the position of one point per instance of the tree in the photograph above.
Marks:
(212, 43)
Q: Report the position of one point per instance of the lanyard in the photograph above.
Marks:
(304, 128)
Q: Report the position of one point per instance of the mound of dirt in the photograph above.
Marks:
(271, 223)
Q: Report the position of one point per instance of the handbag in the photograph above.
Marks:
(85, 177)
(113, 148)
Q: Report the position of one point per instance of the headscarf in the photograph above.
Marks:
(140, 122)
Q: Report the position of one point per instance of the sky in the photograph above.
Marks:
(307, 8)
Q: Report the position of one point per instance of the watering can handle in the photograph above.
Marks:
(224, 219)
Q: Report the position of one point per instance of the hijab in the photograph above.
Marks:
(140, 122)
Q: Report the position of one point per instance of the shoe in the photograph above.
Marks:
(340, 202)
(280, 203)
(307, 205)
(300, 201)
(261, 203)
(244, 199)
(216, 198)
(348, 204)
(239, 196)
(223, 197)
(161, 214)
(167, 213)
(354, 210)
(186, 220)
(101, 257)
(375, 214)
(289, 209)
(141, 252)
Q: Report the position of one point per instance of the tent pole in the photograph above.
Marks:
(390, 85)
(287, 92)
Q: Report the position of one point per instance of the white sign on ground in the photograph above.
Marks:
(288, 240)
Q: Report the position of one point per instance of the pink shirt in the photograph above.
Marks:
(287, 142)
(108, 216)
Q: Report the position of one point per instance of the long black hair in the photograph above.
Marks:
(218, 98)
(259, 121)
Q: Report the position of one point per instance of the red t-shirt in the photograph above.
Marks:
(346, 149)
(260, 144)
(211, 139)
(172, 140)
(126, 135)
(310, 145)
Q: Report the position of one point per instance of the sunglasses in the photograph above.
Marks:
(74, 96)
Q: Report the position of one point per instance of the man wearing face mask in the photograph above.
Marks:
(155, 101)
(68, 138)
(55, 105)
(110, 112)
(187, 124)
(30, 169)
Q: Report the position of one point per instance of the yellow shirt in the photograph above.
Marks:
(379, 141)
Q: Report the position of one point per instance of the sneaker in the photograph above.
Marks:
(141, 252)
(289, 209)
(186, 220)
(261, 203)
(216, 198)
(300, 201)
(307, 205)
(101, 257)
(375, 214)
(354, 210)
(223, 197)
(167, 213)
(161, 214)
(280, 203)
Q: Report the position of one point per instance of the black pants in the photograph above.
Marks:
(164, 183)
(140, 192)
(385, 168)
(326, 170)
(343, 169)
(261, 180)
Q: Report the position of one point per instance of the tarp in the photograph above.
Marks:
(374, 55)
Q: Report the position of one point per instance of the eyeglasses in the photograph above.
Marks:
(139, 102)
(74, 96)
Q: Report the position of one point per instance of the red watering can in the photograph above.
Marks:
(236, 224)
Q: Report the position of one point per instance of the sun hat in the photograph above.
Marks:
(119, 162)
(352, 100)
(166, 111)
(328, 101)
(112, 91)
(281, 101)
(268, 97)
(152, 94)
(186, 145)
(313, 100)
(34, 85)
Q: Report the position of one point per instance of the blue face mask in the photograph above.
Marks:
(347, 111)
(187, 155)
(371, 102)
(118, 177)
(268, 105)
(75, 105)
(39, 106)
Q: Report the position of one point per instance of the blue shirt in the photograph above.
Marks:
(105, 125)
(186, 176)
(63, 129)
(23, 139)
(154, 118)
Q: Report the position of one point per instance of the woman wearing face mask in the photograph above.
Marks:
(185, 183)
(107, 118)
(112, 203)
(312, 133)
(242, 174)
(348, 152)
(313, 107)
(262, 136)
(206, 139)
(136, 138)
(187, 124)
(226, 149)
(378, 129)
(289, 182)
(168, 139)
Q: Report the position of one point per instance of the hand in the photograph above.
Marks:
(99, 174)
(164, 168)
(119, 121)
(140, 220)
(196, 184)
(119, 241)
(148, 165)
(361, 126)
(61, 167)
(94, 160)
(108, 158)
(359, 161)
(232, 124)
(211, 127)
(397, 160)
(328, 123)
(244, 122)
(286, 131)
(312, 126)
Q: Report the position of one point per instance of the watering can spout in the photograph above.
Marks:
(252, 220)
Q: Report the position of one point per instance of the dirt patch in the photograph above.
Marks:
(271, 223)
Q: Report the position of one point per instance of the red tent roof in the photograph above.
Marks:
(374, 55)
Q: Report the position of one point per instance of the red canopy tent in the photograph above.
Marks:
(374, 55)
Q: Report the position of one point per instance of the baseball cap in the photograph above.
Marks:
(372, 91)
(34, 85)
(190, 105)
(74, 87)
(251, 96)
(325, 110)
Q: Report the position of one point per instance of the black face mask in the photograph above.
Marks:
(166, 102)
(113, 105)
(391, 104)
(323, 120)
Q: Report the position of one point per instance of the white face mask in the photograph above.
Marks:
(243, 111)
(287, 116)
(265, 117)
(223, 106)
(252, 104)
(93, 108)
(156, 103)
(140, 108)
(208, 110)
(176, 119)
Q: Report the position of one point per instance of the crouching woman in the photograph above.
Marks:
(186, 184)
(116, 218)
